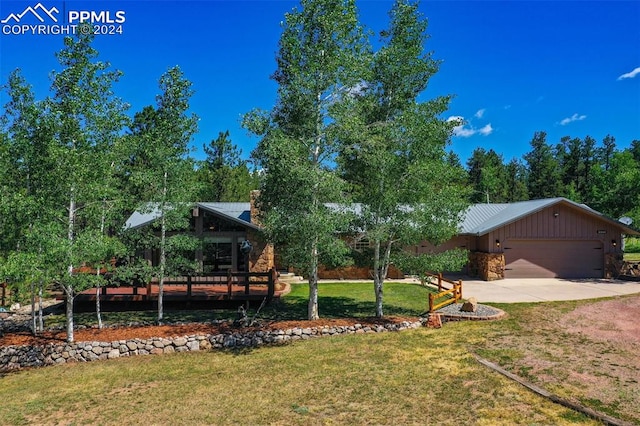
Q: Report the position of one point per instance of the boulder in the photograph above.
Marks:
(471, 305)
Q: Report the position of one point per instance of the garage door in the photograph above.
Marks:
(550, 259)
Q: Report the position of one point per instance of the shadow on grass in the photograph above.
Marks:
(295, 308)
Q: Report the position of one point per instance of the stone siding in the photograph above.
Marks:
(488, 266)
(613, 265)
(355, 273)
(261, 258)
(17, 357)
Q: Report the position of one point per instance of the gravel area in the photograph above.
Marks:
(483, 312)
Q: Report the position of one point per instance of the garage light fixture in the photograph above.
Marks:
(614, 243)
(556, 214)
(497, 243)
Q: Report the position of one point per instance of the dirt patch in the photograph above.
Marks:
(611, 320)
(146, 332)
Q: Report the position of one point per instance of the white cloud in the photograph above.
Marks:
(574, 117)
(480, 113)
(631, 74)
(486, 130)
(464, 130)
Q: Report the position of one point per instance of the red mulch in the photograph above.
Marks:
(147, 332)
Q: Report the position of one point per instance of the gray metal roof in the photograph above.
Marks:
(142, 217)
(481, 219)
(234, 212)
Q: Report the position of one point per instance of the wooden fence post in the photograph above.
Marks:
(229, 284)
(431, 297)
(439, 281)
(273, 277)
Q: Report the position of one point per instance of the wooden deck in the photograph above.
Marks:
(237, 287)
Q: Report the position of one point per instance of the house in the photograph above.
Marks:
(545, 238)
(552, 237)
(224, 229)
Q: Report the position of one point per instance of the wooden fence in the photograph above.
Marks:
(445, 296)
(254, 283)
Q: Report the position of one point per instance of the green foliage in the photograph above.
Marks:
(224, 175)
(319, 52)
(487, 176)
(544, 174)
(394, 147)
(449, 261)
(632, 245)
(161, 172)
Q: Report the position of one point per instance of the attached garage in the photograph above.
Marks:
(553, 259)
(549, 238)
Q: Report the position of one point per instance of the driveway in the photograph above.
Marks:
(545, 289)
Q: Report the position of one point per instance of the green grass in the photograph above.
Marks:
(414, 377)
(344, 299)
(425, 376)
(632, 257)
(335, 300)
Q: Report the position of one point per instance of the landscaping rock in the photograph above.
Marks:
(471, 305)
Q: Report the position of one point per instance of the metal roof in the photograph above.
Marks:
(481, 219)
(234, 212)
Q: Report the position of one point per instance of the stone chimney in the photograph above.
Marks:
(254, 211)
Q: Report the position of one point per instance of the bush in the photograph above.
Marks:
(632, 245)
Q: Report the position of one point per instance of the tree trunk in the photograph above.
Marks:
(68, 288)
(378, 280)
(34, 327)
(381, 267)
(40, 313)
(312, 311)
(163, 247)
(98, 314)
(69, 311)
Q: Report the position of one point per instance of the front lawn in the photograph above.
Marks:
(336, 300)
(423, 376)
(345, 299)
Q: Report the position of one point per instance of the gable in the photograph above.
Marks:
(235, 213)
(482, 219)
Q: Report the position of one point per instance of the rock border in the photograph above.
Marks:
(453, 312)
(19, 357)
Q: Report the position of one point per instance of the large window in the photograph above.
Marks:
(217, 254)
(211, 223)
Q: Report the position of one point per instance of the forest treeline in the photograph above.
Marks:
(583, 170)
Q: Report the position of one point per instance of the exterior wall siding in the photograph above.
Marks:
(555, 222)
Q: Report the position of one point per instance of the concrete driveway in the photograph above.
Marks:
(545, 289)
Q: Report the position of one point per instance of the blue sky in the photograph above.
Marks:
(570, 68)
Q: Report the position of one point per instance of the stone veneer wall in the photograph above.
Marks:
(488, 266)
(355, 273)
(614, 265)
(17, 357)
(262, 257)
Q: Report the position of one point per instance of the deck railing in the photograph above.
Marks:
(229, 284)
(445, 296)
(250, 281)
